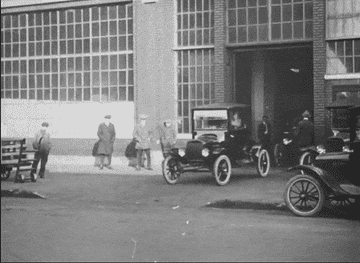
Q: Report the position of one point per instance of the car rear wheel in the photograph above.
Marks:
(307, 158)
(263, 163)
(171, 170)
(304, 195)
(222, 170)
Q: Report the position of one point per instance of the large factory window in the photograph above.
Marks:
(195, 58)
(83, 54)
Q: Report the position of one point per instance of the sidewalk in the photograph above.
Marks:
(85, 165)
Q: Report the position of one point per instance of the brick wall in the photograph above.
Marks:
(220, 50)
(319, 57)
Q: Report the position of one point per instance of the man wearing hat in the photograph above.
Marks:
(167, 137)
(305, 131)
(142, 135)
(264, 132)
(106, 134)
(43, 145)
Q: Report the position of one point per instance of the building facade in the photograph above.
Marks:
(72, 62)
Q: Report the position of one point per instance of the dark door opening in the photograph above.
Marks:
(292, 79)
(287, 83)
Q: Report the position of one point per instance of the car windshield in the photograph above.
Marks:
(210, 119)
(340, 119)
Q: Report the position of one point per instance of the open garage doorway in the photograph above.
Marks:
(277, 82)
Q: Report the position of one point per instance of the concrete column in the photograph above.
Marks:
(257, 90)
(154, 60)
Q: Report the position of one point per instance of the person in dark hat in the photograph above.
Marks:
(264, 132)
(305, 131)
(106, 133)
(42, 144)
(143, 136)
(167, 137)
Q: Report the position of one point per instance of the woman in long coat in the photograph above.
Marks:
(106, 134)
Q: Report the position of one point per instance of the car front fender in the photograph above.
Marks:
(320, 174)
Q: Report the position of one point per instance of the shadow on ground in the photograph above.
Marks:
(327, 212)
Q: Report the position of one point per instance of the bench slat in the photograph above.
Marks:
(10, 146)
(11, 153)
(9, 161)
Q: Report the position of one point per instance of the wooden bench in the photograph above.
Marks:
(14, 155)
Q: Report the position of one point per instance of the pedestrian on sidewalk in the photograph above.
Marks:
(106, 133)
(130, 153)
(143, 135)
(167, 137)
(42, 144)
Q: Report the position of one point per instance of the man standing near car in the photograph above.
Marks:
(305, 131)
(106, 134)
(142, 135)
(264, 132)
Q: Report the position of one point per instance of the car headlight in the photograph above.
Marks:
(286, 141)
(181, 152)
(320, 149)
(205, 152)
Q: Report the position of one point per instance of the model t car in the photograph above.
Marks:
(333, 179)
(220, 141)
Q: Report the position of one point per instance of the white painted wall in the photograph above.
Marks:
(22, 118)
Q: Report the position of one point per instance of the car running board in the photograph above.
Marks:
(351, 189)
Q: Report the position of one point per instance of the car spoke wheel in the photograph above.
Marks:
(277, 154)
(263, 163)
(171, 170)
(222, 170)
(340, 201)
(304, 195)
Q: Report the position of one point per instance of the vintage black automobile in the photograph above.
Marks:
(333, 179)
(217, 145)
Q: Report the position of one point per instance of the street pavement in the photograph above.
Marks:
(244, 185)
(81, 213)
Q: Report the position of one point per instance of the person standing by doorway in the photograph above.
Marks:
(106, 133)
(142, 134)
(264, 132)
(305, 131)
(43, 145)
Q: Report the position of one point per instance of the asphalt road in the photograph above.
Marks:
(141, 218)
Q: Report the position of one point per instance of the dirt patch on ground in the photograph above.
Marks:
(228, 204)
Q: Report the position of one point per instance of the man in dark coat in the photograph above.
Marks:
(106, 134)
(264, 132)
(305, 131)
(43, 145)
(143, 136)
